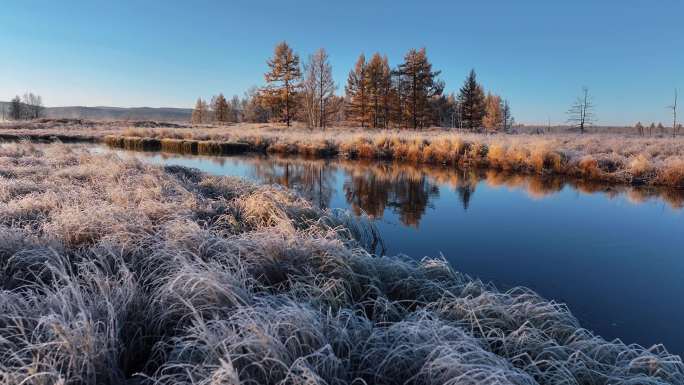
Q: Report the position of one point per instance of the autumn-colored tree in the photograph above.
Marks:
(283, 82)
(420, 85)
(318, 89)
(200, 113)
(253, 110)
(472, 104)
(493, 119)
(357, 93)
(221, 109)
(379, 76)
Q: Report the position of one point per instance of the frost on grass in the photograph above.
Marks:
(117, 272)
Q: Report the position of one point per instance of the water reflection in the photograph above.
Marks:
(409, 190)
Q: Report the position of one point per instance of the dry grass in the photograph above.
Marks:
(117, 272)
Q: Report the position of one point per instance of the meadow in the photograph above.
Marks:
(115, 271)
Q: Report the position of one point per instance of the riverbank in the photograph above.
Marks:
(611, 158)
(115, 270)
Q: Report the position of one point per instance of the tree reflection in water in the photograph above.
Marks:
(372, 187)
(313, 180)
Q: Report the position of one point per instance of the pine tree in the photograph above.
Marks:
(200, 113)
(471, 100)
(493, 119)
(419, 87)
(651, 128)
(357, 93)
(379, 86)
(221, 109)
(283, 78)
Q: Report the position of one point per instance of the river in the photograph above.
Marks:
(614, 255)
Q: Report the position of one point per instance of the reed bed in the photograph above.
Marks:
(118, 272)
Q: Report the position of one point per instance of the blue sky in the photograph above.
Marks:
(537, 54)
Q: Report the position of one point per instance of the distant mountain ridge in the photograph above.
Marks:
(166, 114)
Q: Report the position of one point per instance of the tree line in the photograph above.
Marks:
(376, 95)
(28, 107)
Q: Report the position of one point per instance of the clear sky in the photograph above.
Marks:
(537, 54)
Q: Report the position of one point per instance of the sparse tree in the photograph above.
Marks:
(493, 119)
(221, 109)
(507, 117)
(661, 128)
(283, 77)
(581, 113)
(200, 113)
(639, 129)
(318, 89)
(16, 109)
(673, 107)
(357, 92)
(651, 128)
(236, 113)
(33, 106)
(420, 87)
(472, 103)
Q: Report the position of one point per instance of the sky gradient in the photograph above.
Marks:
(536, 54)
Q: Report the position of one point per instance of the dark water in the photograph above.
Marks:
(615, 255)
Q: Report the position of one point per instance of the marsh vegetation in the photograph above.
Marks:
(117, 271)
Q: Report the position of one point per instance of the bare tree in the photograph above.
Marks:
(581, 113)
(318, 89)
(673, 107)
(30, 106)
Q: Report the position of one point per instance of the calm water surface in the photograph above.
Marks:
(614, 255)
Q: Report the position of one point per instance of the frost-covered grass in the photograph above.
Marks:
(114, 272)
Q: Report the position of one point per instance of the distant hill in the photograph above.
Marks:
(114, 113)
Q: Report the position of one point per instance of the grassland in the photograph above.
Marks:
(118, 272)
(611, 158)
